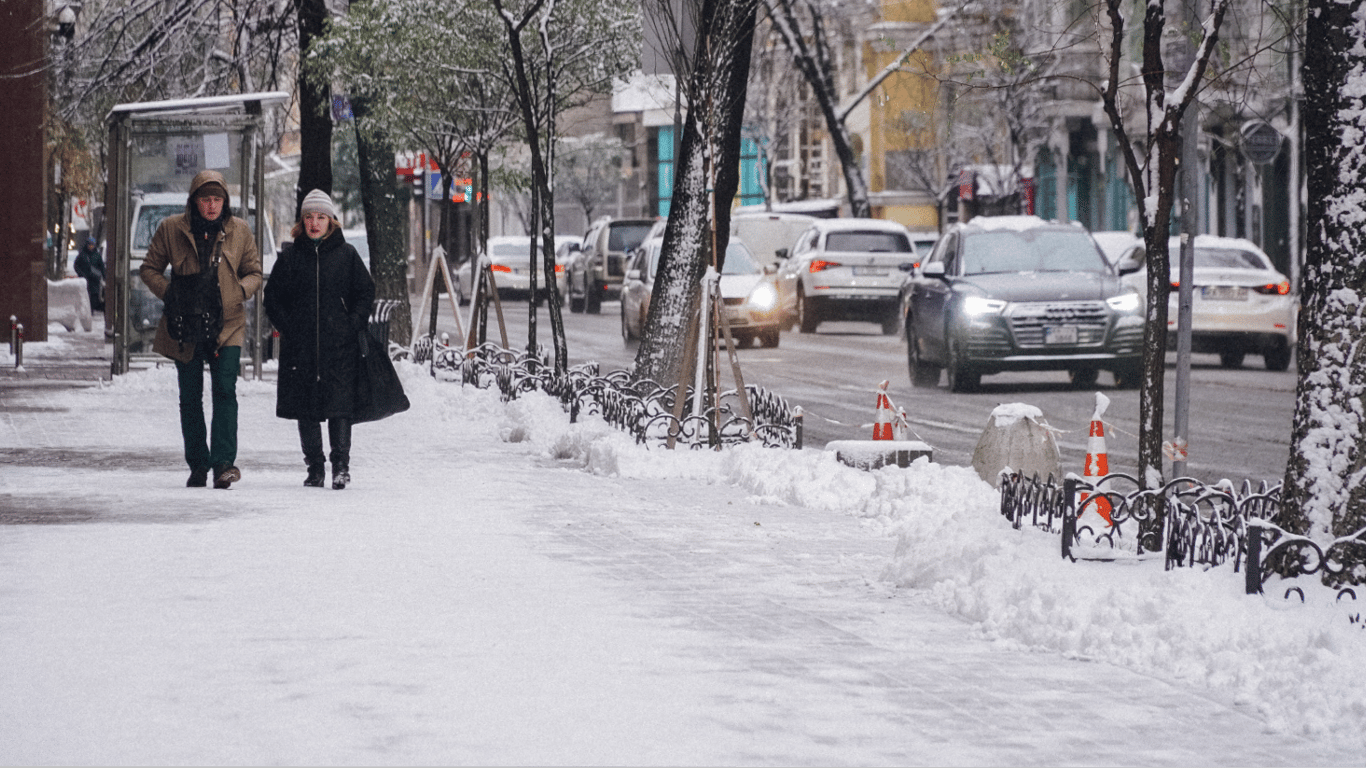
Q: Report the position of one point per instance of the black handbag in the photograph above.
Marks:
(194, 306)
(379, 393)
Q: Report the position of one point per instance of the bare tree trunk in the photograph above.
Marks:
(811, 53)
(705, 184)
(315, 119)
(547, 217)
(526, 100)
(385, 221)
(1324, 495)
(1154, 180)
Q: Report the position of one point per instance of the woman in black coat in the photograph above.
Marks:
(319, 297)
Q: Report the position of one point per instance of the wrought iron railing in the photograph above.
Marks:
(645, 409)
(1189, 523)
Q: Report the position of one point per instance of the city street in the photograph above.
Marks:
(1240, 419)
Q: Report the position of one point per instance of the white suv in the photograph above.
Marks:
(848, 269)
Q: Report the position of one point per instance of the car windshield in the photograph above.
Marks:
(867, 242)
(1227, 258)
(1031, 251)
(149, 218)
(626, 237)
(510, 249)
(739, 261)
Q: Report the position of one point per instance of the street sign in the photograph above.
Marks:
(462, 190)
(1261, 142)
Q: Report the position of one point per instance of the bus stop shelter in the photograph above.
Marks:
(155, 150)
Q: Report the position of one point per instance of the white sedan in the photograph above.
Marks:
(1240, 303)
(510, 256)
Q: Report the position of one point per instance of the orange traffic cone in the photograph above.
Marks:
(882, 425)
(1097, 460)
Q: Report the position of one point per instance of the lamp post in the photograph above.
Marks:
(62, 27)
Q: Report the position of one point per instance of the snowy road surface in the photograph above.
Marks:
(501, 588)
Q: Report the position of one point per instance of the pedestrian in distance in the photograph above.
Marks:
(90, 265)
(207, 240)
(319, 298)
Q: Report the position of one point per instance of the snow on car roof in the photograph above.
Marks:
(846, 224)
(1016, 223)
(1218, 241)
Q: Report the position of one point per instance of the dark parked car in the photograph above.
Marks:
(596, 273)
(1003, 293)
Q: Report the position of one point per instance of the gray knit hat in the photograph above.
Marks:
(318, 201)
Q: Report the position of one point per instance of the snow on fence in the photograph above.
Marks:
(642, 407)
(1185, 522)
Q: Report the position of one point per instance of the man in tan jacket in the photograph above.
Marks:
(205, 233)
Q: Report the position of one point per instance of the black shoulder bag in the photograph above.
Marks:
(379, 393)
(194, 306)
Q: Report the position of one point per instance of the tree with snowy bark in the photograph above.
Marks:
(562, 51)
(315, 114)
(1162, 94)
(444, 77)
(1324, 494)
(422, 74)
(705, 181)
(810, 29)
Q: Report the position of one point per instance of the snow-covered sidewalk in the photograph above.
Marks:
(501, 587)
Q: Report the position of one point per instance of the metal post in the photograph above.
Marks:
(1253, 573)
(799, 417)
(13, 324)
(19, 346)
(1190, 188)
(1069, 515)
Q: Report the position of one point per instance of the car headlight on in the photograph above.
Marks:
(763, 297)
(1125, 302)
(974, 306)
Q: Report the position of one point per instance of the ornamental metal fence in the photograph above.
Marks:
(647, 410)
(1185, 523)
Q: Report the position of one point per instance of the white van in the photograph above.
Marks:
(769, 236)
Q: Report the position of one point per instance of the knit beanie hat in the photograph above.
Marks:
(318, 201)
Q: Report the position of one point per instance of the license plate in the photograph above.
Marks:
(872, 271)
(1060, 334)
(1224, 293)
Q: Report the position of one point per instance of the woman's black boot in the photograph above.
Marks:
(339, 435)
(311, 438)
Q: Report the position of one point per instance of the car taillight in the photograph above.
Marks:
(501, 268)
(1273, 289)
(820, 265)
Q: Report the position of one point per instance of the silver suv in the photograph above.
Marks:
(596, 273)
(1003, 293)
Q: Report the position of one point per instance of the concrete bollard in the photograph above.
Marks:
(1016, 436)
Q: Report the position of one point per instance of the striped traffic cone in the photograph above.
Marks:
(882, 425)
(1097, 460)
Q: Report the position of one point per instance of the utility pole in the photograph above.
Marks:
(1190, 227)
